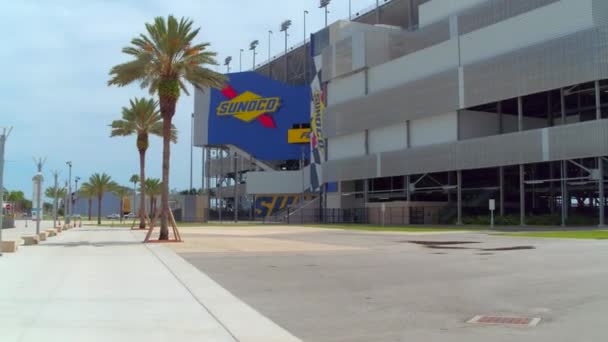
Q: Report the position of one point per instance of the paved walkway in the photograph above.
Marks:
(96, 284)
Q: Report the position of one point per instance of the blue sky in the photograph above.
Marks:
(56, 56)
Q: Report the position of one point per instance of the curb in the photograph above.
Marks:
(243, 322)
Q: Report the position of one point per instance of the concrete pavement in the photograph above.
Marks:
(102, 284)
(335, 285)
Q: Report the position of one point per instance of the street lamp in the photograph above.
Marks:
(241, 60)
(270, 33)
(76, 180)
(324, 4)
(68, 208)
(252, 46)
(305, 52)
(284, 27)
(227, 63)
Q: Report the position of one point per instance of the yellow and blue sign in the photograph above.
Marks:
(256, 114)
(249, 106)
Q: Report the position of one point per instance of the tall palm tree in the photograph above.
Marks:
(153, 189)
(100, 183)
(164, 60)
(55, 193)
(141, 118)
(135, 179)
(86, 190)
(121, 192)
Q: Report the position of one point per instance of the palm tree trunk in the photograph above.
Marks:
(167, 109)
(90, 205)
(99, 209)
(120, 211)
(142, 192)
(152, 212)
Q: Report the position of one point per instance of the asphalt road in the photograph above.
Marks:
(383, 287)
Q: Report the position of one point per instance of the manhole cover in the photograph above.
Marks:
(502, 320)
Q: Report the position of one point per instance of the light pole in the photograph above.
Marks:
(270, 33)
(252, 46)
(191, 148)
(68, 205)
(305, 52)
(284, 28)
(37, 198)
(76, 180)
(3, 137)
(324, 4)
(241, 60)
(55, 199)
(350, 10)
(227, 64)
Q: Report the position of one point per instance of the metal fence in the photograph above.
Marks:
(374, 216)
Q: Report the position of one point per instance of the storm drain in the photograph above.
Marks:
(502, 320)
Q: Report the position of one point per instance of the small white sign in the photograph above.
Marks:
(492, 205)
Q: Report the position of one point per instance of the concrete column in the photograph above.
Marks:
(602, 197)
(522, 189)
(501, 181)
(459, 197)
(501, 128)
(236, 188)
(408, 181)
(600, 162)
(522, 196)
(565, 196)
(520, 114)
(564, 170)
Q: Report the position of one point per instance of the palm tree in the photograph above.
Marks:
(86, 190)
(100, 183)
(55, 193)
(164, 60)
(153, 189)
(141, 118)
(121, 192)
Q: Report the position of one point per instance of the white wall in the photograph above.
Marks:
(435, 10)
(414, 66)
(434, 130)
(481, 124)
(346, 88)
(346, 146)
(389, 138)
(548, 22)
(478, 124)
(276, 182)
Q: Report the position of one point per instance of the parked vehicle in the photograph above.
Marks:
(113, 217)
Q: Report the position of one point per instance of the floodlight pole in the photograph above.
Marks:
(55, 200)
(68, 205)
(241, 60)
(305, 52)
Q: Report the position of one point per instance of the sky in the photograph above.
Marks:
(56, 55)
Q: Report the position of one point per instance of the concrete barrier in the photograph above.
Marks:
(43, 236)
(51, 232)
(10, 246)
(59, 229)
(30, 240)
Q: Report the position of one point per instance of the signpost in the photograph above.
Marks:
(492, 209)
(5, 133)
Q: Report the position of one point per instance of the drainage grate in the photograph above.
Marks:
(501, 320)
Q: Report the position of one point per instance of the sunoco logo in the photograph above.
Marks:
(248, 106)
